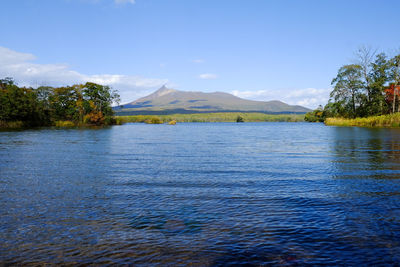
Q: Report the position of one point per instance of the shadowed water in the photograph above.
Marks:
(205, 194)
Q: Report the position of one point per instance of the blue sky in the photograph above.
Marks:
(257, 49)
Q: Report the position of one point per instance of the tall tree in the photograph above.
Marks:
(98, 100)
(365, 56)
(63, 103)
(378, 77)
(347, 89)
(5, 105)
(394, 74)
(101, 96)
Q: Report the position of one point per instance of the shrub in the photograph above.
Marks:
(109, 120)
(64, 124)
(239, 119)
(94, 117)
(12, 124)
(119, 120)
(154, 120)
(315, 116)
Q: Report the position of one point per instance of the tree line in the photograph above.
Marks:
(80, 104)
(368, 87)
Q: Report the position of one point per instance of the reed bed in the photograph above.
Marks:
(390, 120)
(214, 117)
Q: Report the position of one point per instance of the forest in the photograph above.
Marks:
(370, 86)
(76, 105)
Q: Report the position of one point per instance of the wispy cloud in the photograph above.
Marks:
(208, 76)
(26, 73)
(198, 61)
(308, 97)
(22, 68)
(118, 2)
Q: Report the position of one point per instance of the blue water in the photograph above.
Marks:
(202, 194)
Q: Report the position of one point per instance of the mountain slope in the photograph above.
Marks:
(165, 99)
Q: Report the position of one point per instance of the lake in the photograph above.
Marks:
(206, 194)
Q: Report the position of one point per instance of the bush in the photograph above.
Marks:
(315, 116)
(239, 119)
(64, 124)
(154, 120)
(94, 117)
(119, 121)
(12, 124)
(109, 120)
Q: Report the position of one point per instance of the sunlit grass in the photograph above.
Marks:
(11, 124)
(64, 124)
(213, 117)
(390, 120)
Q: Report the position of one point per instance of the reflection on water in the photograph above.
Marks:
(201, 194)
(368, 152)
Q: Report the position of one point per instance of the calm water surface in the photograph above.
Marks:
(205, 194)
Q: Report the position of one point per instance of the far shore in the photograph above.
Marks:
(213, 117)
(169, 119)
(383, 121)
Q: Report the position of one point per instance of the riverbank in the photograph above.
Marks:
(390, 120)
(172, 119)
(4, 125)
(213, 117)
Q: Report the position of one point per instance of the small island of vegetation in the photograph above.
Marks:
(366, 93)
(78, 105)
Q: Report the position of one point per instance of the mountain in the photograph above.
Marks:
(166, 101)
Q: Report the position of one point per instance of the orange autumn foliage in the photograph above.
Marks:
(95, 116)
(391, 91)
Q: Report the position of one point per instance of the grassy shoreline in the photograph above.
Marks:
(389, 121)
(213, 117)
(5, 125)
(171, 119)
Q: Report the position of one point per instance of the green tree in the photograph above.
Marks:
(63, 103)
(5, 105)
(43, 106)
(17, 103)
(316, 115)
(101, 96)
(98, 100)
(378, 77)
(394, 76)
(347, 92)
(365, 56)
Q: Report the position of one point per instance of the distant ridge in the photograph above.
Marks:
(168, 101)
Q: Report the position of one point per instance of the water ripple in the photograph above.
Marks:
(250, 194)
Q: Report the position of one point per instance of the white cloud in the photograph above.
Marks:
(309, 97)
(9, 56)
(124, 1)
(26, 73)
(208, 76)
(198, 61)
(22, 68)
